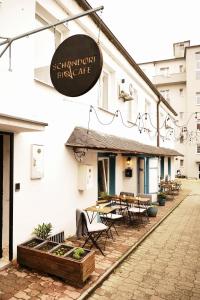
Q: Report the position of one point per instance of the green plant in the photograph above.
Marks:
(43, 230)
(162, 195)
(78, 253)
(103, 195)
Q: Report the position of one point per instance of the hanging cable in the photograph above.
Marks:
(99, 29)
(54, 32)
(10, 59)
(127, 126)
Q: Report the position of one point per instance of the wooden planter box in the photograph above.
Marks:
(47, 258)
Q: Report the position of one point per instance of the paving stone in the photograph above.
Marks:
(22, 295)
(160, 269)
(155, 261)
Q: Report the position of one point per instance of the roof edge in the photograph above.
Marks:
(104, 28)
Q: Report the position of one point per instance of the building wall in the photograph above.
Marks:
(55, 197)
(193, 86)
(182, 97)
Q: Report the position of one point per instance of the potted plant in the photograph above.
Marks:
(152, 210)
(43, 231)
(161, 198)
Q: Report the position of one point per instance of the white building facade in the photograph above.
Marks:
(178, 80)
(44, 177)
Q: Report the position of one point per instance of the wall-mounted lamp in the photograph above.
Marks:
(128, 161)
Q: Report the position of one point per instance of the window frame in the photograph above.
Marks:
(198, 147)
(197, 98)
(197, 59)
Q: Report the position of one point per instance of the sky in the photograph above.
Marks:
(148, 28)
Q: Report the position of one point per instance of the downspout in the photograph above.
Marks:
(158, 122)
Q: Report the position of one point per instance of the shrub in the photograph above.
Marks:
(43, 230)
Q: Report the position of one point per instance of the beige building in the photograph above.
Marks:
(178, 80)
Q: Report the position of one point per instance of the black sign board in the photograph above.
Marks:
(76, 65)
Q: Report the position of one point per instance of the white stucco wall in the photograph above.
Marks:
(55, 197)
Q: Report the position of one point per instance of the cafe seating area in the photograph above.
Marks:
(102, 221)
(170, 187)
(129, 235)
(128, 232)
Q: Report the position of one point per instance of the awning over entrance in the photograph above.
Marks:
(82, 138)
(16, 125)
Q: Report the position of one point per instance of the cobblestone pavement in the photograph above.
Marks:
(20, 283)
(167, 264)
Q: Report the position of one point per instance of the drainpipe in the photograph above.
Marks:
(158, 122)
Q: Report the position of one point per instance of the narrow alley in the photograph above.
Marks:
(167, 264)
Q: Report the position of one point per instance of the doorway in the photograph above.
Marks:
(6, 196)
(106, 173)
(141, 172)
(199, 171)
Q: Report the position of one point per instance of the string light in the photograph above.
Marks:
(179, 133)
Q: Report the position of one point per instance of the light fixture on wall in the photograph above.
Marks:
(128, 172)
(79, 153)
(128, 161)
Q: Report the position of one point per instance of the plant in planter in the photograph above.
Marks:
(43, 231)
(102, 195)
(161, 198)
(78, 253)
(62, 250)
(152, 211)
(33, 243)
(47, 246)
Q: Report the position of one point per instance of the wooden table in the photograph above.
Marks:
(130, 199)
(98, 209)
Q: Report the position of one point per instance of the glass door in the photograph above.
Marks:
(103, 176)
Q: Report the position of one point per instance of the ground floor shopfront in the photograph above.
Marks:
(43, 181)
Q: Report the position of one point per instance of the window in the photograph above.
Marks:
(104, 90)
(181, 162)
(197, 98)
(45, 43)
(198, 126)
(198, 148)
(164, 71)
(197, 57)
(181, 114)
(181, 139)
(165, 94)
(181, 69)
(132, 106)
(147, 108)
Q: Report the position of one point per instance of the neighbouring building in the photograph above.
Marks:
(58, 153)
(178, 80)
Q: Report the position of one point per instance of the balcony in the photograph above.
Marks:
(169, 79)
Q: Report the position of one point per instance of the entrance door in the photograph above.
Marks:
(6, 195)
(153, 175)
(103, 175)
(199, 171)
(141, 175)
(162, 163)
(106, 174)
(1, 196)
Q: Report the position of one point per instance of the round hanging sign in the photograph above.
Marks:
(76, 65)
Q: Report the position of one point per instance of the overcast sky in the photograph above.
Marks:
(148, 28)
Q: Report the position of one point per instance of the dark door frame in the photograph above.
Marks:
(1, 194)
(11, 180)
